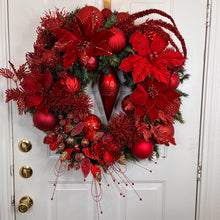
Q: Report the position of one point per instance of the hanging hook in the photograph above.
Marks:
(107, 4)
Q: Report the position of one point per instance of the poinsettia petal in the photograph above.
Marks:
(140, 43)
(171, 94)
(158, 44)
(153, 114)
(78, 28)
(150, 104)
(101, 37)
(160, 73)
(64, 35)
(34, 100)
(142, 68)
(69, 57)
(170, 58)
(139, 110)
(127, 64)
(139, 95)
(101, 50)
(47, 80)
(162, 101)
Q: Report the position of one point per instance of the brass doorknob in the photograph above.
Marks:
(25, 203)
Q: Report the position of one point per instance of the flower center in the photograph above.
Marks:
(83, 45)
(153, 55)
(152, 92)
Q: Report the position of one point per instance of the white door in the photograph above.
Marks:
(169, 192)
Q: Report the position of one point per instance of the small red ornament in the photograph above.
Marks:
(127, 106)
(108, 89)
(76, 148)
(142, 150)
(106, 13)
(118, 41)
(44, 121)
(89, 11)
(92, 123)
(92, 64)
(174, 81)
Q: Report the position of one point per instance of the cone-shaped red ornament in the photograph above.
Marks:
(108, 89)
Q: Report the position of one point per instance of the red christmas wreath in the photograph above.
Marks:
(88, 45)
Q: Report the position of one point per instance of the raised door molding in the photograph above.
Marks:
(6, 183)
(209, 194)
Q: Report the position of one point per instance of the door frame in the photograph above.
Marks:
(7, 209)
(207, 196)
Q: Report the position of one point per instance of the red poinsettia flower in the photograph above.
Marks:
(37, 88)
(105, 152)
(84, 42)
(150, 96)
(153, 58)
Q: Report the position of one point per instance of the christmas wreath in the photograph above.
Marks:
(89, 46)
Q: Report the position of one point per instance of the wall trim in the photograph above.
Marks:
(209, 191)
(6, 159)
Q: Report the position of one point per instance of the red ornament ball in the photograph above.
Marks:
(118, 41)
(93, 123)
(142, 150)
(89, 11)
(43, 121)
(92, 64)
(174, 81)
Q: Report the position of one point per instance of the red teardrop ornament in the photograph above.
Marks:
(108, 89)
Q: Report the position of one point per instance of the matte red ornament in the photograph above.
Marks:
(86, 12)
(117, 42)
(44, 121)
(174, 81)
(142, 150)
(92, 123)
(108, 89)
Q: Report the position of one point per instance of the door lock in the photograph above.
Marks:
(25, 203)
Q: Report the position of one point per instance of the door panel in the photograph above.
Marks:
(169, 192)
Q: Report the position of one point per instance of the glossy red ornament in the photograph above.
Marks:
(92, 123)
(174, 81)
(108, 89)
(92, 64)
(86, 12)
(142, 150)
(43, 121)
(117, 42)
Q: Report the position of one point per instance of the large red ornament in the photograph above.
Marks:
(174, 81)
(118, 41)
(92, 123)
(43, 121)
(142, 150)
(108, 88)
(88, 12)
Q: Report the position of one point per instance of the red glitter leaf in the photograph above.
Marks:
(85, 167)
(77, 129)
